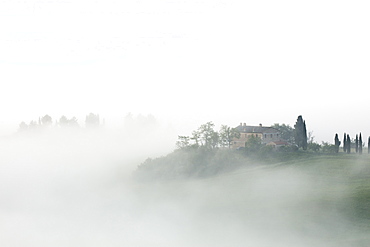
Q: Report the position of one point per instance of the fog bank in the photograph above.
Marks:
(76, 189)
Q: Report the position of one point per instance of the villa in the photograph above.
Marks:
(268, 135)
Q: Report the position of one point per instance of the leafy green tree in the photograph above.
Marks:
(46, 120)
(336, 143)
(195, 137)
(253, 144)
(65, 122)
(32, 125)
(73, 122)
(227, 135)
(208, 136)
(183, 142)
(328, 148)
(214, 140)
(313, 146)
(286, 131)
(310, 137)
(23, 126)
(300, 133)
(92, 120)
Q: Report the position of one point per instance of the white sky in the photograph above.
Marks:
(188, 61)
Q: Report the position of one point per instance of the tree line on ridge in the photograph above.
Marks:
(207, 137)
(91, 120)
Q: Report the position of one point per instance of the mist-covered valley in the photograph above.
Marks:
(63, 183)
(77, 187)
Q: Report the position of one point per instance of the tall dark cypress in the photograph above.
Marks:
(336, 143)
(360, 144)
(304, 136)
(368, 146)
(300, 133)
(348, 144)
(356, 143)
(345, 142)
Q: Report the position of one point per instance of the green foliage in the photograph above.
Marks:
(336, 143)
(46, 120)
(183, 142)
(227, 135)
(200, 155)
(348, 144)
(331, 189)
(203, 162)
(328, 148)
(300, 133)
(92, 120)
(288, 149)
(253, 144)
(206, 136)
(313, 146)
(195, 137)
(23, 126)
(65, 122)
(286, 131)
(191, 162)
(214, 140)
(33, 125)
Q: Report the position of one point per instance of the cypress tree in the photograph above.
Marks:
(356, 143)
(298, 129)
(360, 144)
(337, 143)
(345, 143)
(304, 135)
(348, 144)
(368, 146)
(300, 133)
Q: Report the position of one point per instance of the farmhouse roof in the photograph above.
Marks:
(255, 129)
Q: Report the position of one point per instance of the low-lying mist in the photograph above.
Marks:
(75, 188)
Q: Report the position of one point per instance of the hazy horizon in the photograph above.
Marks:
(78, 189)
(185, 126)
(182, 63)
(188, 62)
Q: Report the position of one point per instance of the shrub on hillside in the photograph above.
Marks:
(191, 162)
(328, 148)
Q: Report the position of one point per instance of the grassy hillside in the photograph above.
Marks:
(325, 196)
(348, 175)
(307, 200)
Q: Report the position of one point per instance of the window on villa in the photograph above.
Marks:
(271, 136)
